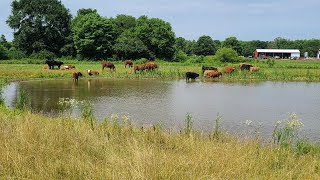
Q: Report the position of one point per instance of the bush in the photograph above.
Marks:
(141, 61)
(195, 59)
(3, 53)
(227, 55)
(14, 53)
(43, 55)
(180, 56)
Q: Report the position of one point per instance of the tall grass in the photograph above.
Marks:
(35, 147)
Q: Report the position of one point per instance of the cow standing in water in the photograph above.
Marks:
(191, 75)
(108, 65)
(76, 76)
(128, 62)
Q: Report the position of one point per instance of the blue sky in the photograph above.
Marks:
(244, 19)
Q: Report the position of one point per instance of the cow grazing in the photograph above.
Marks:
(229, 69)
(254, 68)
(140, 67)
(128, 62)
(76, 75)
(51, 64)
(151, 66)
(191, 75)
(208, 68)
(91, 72)
(212, 73)
(244, 66)
(69, 66)
(45, 67)
(108, 65)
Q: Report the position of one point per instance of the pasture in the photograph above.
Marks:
(281, 70)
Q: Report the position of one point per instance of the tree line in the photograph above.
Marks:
(45, 29)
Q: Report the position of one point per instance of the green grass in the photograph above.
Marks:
(35, 147)
(282, 70)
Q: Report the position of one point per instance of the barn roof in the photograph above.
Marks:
(278, 50)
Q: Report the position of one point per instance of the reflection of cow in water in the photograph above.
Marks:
(128, 62)
(51, 64)
(76, 76)
(108, 65)
(191, 75)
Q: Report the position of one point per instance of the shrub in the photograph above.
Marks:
(3, 53)
(227, 55)
(180, 56)
(141, 61)
(14, 53)
(44, 54)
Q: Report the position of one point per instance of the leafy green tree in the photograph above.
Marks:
(232, 42)
(157, 35)
(248, 47)
(124, 22)
(39, 25)
(190, 47)
(227, 55)
(128, 45)
(4, 42)
(204, 46)
(93, 36)
(181, 44)
(3, 53)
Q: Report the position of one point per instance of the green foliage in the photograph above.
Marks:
(3, 53)
(39, 25)
(14, 53)
(141, 61)
(180, 56)
(204, 46)
(195, 60)
(227, 55)
(124, 22)
(45, 55)
(128, 45)
(22, 100)
(270, 62)
(233, 43)
(93, 36)
(157, 35)
(285, 133)
(189, 125)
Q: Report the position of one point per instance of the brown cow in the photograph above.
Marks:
(128, 62)
(91, 72)
(140, 67)
(46, 67)
(151, 66)
(212, 73)
(229, 69)
(67, 67)
(254, 68)
(108, 65)
(76, 76)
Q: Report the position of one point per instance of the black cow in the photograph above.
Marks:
(208, 68)
(191, 75)
(53, 63)
(246, 67)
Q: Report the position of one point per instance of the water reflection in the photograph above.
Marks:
(168, 102)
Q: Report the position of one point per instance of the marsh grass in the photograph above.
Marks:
(22, 100)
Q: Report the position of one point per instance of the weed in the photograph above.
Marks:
(188, 125)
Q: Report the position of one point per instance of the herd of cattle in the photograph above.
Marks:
(210, 72)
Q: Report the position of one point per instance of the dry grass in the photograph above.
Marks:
(35, 147)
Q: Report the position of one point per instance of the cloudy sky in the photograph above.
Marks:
(245, 19)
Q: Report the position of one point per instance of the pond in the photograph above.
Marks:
(167, 102)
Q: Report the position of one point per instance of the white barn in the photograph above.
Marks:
(281, 53)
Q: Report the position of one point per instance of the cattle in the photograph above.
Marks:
(191, 75)
(140, 67)
(244, 66)
(212, 73)
(76, 75)
(91, 72)
(229, 69)
(151, 66)
(128, 62)
(254, 68)
(208, 68)
(45, 67)
(108, 65)
(67, 67)
(51, 64)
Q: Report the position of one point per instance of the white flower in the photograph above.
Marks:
(248, 122)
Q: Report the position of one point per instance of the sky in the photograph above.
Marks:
(245, 19)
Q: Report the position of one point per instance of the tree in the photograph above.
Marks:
(204, 46)
(232, 42)
(124, 22)
(39, 25)
(248, 47)
(93, 36)
(157, 35)
(181, 44)
(3, 53)
(128, 45)
(4, 42)
(227, 55)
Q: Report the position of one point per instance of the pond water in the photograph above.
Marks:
(164, 102)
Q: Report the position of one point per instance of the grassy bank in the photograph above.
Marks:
(283, 70)
(35, 147)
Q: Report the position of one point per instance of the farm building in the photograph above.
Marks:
(277, 53)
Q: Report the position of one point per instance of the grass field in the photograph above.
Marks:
(281, 70)
(35, 147)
